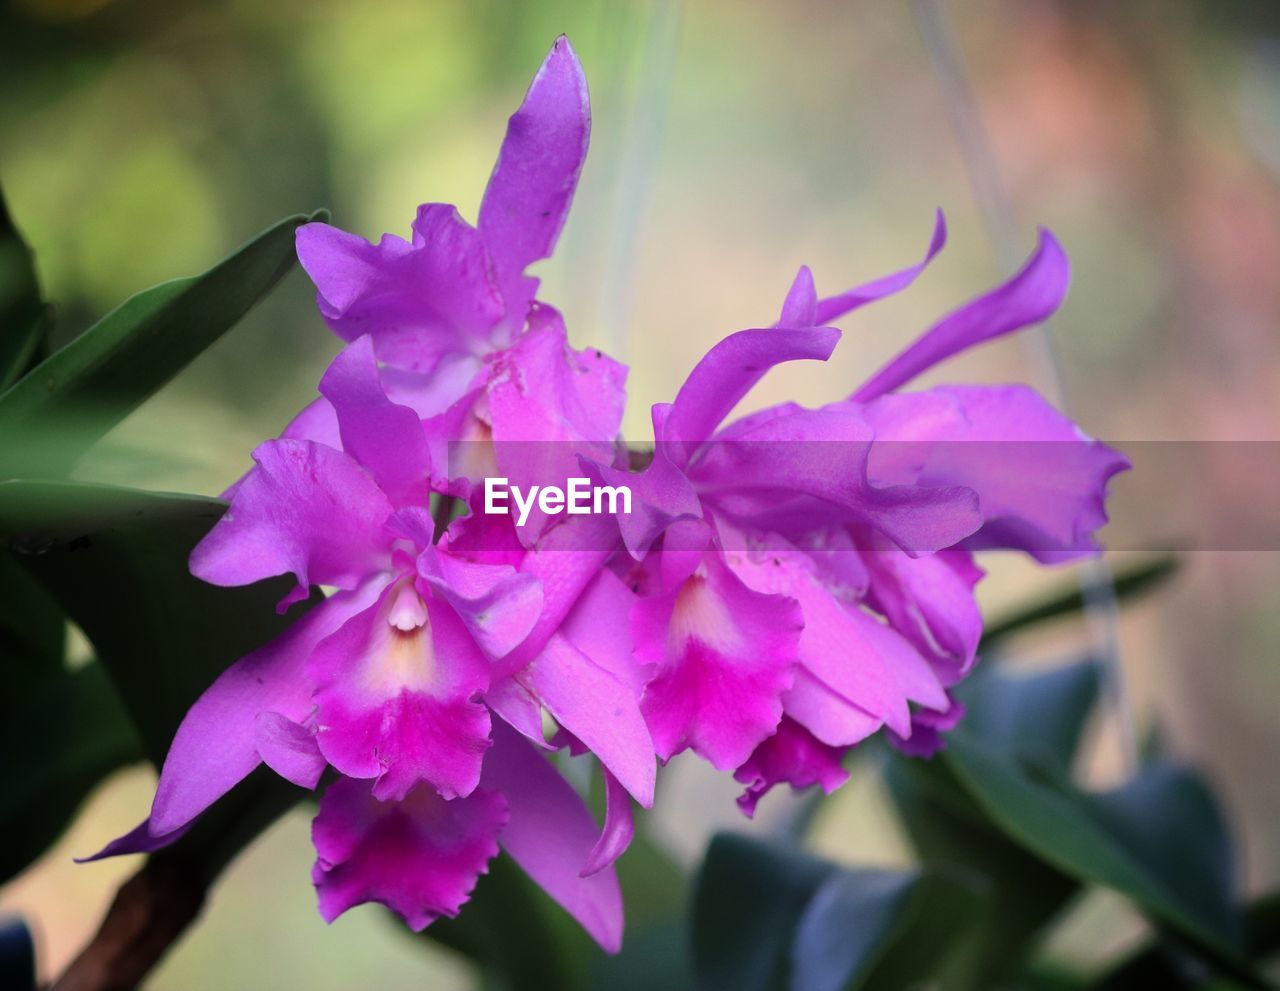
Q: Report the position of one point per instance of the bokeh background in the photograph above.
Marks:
(733, 140)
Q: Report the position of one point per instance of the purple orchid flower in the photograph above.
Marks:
(387, 682)
(786, 584)
(818, 561)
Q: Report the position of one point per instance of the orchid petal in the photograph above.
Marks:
(834, 307)
(386, 438)
(218, 742)
(420, 856)
(394, 690)
(599, 710)
(726, 374)
(1028, 298)
(552, 836)
(533, 182)
(619, 827)
(420, 301)
(722, 655)
(791, 756)
(305, 509)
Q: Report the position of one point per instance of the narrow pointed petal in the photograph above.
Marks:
(800, 308)
(533, 182)
(140, 839)
(395, 700)
(791, 756)
(599, 710)
(551, 835)
(305, 509)
(619, 827)
(834, 307)
(722, 655)
(726, 374)
(1028, 298)
(927, 727)
(420, 856)
(218, 742)
(386, 438)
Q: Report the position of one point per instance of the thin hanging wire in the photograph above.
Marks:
(1097, 584)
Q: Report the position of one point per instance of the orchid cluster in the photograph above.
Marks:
(786, 584)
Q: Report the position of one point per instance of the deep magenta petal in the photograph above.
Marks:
(722, 656)
(420, 856)
(551, 834)
(791, 756)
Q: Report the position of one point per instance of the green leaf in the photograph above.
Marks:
(1129, 583)
(880, 930)
(1023, 894)
(748, 900)
(24, 318)
(73, 397)
(116, 561)
(1040, 716)
(59, 739)
(1124, 841)
(32, 628)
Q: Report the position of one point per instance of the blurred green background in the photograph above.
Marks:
(733, 140)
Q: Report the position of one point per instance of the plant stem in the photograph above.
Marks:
(150, 911)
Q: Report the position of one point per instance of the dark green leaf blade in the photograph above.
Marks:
(877, 930)
(50, 416)
(116, 560)
(59, 739)
(748, 899)
(1038, 716)
(23, 314)
(1129, 583)
(1078, 835)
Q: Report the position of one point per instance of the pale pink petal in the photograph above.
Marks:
(791, 756)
